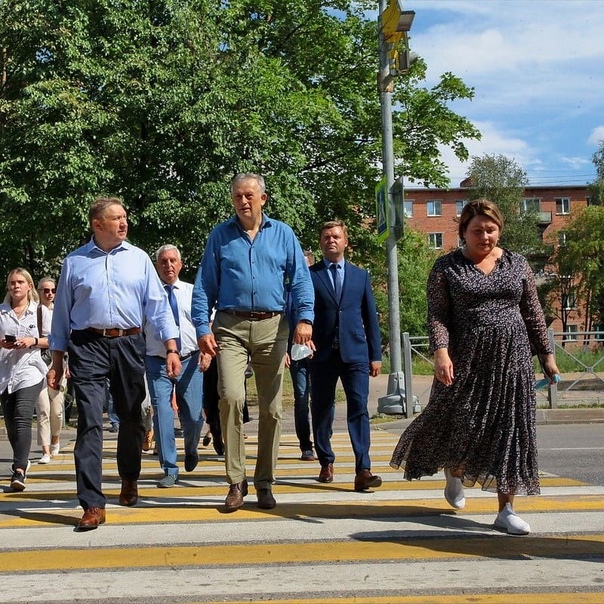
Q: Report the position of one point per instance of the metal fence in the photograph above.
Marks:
(582, 351)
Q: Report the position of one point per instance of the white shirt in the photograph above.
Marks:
(23, 367)
(183, 292)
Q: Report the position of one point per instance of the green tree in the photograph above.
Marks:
(161, 102)
(503, 181)
(415, 262)
(596, 189)
(580, 261)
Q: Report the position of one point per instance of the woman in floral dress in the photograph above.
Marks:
(483, 317)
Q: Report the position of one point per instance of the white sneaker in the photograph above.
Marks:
(45, 458)
(54, 449)
(508, 519)
(454, 491)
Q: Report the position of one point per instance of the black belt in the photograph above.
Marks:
(184, 357)
(252, 315)
(114, 332)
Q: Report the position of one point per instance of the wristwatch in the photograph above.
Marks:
(307, 321)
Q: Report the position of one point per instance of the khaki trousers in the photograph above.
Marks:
(265, 342)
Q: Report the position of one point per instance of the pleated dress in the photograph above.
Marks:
(484, 423)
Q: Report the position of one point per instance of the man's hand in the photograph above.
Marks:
(302, 333)
(204, 361)
(207, 344)
(173, 365)
(375, 368)
(55, 373)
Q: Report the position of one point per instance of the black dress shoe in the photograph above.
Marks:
(234, 500)
(266, 501)
(191, 462)
(326, 474)
(91, 519)
(366, 480)
(129, 493)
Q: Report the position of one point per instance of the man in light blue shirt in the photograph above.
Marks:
(248, 264)
(107, 289)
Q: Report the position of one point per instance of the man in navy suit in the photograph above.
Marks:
(347, 342)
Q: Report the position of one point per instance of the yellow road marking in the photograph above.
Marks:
(507, 598)
(303, 553)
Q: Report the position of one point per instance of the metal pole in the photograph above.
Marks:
(396, 378)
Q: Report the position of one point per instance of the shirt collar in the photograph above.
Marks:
(92, 246)
(340, 264)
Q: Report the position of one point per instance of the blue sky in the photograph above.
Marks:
(537, 67)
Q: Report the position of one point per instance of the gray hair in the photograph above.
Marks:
(167, 248)
(247, 176)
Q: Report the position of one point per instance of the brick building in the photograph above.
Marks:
(435, 212)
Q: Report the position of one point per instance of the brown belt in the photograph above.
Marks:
(114, 332)
(252, 315)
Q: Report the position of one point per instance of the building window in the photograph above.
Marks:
(435, 207)
(435, 240)
(530, 205)
(570, 333)
(562, 205)
(459, 206)
(561, 237)
(569, 301)
(408, 208)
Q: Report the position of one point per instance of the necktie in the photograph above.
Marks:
(174, 307)
(337, 286)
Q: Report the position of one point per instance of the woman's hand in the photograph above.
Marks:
(443, 367)
(549, 366)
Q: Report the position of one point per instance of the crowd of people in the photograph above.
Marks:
(125, 329)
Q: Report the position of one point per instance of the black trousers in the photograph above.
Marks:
(18, 410)
(92, 360)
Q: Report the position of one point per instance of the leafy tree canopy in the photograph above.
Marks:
(596, 189)
(161, 102)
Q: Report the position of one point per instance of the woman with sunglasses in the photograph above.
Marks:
(49, 406)
(22, 370)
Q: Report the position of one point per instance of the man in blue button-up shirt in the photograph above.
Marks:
(248, 263)
(106, 291)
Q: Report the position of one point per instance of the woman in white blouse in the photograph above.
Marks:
(22, 370)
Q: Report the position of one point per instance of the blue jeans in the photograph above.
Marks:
(189, 395)
(301, 383)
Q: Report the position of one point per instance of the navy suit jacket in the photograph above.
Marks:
(355, 316)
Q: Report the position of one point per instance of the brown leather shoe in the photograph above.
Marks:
(234, 500)
(129, 493)
(366, 480)
(326, 473)
(91, 519)
(266, 501)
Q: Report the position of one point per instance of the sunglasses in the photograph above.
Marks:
(48, 290)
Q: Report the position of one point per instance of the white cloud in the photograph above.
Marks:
(536, 68)
(596, 138)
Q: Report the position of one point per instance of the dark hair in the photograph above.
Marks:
(99, 207)
(479, 207)
(330, 224)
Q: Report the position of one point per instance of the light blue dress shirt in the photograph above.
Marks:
(239, 273)
(116, 289)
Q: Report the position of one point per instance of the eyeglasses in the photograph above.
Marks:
(48, 290)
